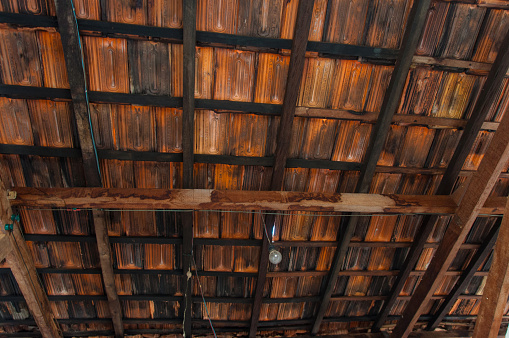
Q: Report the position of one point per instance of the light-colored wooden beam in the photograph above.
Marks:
(22, 266)
(496, 291)
(477, 192)
(199, 199)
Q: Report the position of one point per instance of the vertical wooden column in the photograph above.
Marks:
(496, 291)
(189, 47)
(295, 72)
(73, 52)
(415, 24)
(20, 261)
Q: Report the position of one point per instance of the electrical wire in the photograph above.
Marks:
(281, 213)
(203, 297)
(265, 228)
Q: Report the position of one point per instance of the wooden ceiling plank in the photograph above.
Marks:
(415, 24)
(482, 107)
(482, 253)
(477, 192)
(23, 269)
(496, 291)
(73, 52)
(188, 105)
(293, 82)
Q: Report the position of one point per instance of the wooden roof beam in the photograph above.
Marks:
(293, 82)
(73, 52)
(199, 199)
(188, 106)
(415, 24)
(482, 253)
(487, 96)
(15, 250)
(496, 291)
(476, 193)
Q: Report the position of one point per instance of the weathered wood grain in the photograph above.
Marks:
(22, 266)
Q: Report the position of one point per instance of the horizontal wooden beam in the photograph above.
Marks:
(92, 27)
(25, 92)
(200, 199)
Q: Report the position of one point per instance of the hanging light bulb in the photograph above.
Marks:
(275, 256)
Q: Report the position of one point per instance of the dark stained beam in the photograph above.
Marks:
(496, 291)
(188, 104)
(23, 269)
(476, 193)
(415, 24)
(463, 282)
(104, 248)
(73, 52)
(487, 96)
(293, 81)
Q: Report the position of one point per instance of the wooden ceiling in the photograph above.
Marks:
(155, 150)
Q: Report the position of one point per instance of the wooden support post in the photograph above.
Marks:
(73, 53)
(496, 291)
(481, 184)
(415, 24)
(22, 266)
(295, 72)
(474, 124)
(462, 283)
(189, 47)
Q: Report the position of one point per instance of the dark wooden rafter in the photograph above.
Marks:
(476, 193)
(482, 107)
(188, 104)
(233, 107)
(23, 269)
(295, 73)
(415, 24)
(481, 255)
(496, 290)
(73, 52)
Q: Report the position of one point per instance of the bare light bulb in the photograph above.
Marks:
(275, 256)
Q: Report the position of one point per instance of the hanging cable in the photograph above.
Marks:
(203, 297)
